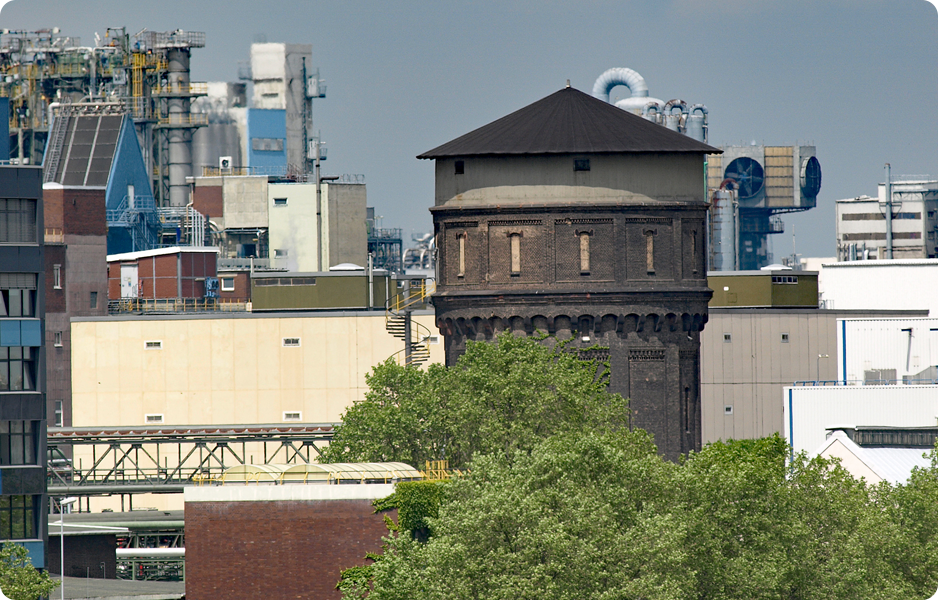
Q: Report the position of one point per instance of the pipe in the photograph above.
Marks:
(888, 213)
(672, 121)
(619, 76)
(652, 106)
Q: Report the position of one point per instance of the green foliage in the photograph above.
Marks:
(499, 398)
(601, 516)
(19, 580)
(417, 503)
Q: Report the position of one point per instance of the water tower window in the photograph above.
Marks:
(514, 240)
(650, 251)
(584, 251)
(462, 254)
(581, 164)
(460, 167)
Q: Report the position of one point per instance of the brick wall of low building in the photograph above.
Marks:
(277, 549)
(93, 556)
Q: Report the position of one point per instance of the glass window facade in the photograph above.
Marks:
(18, 517)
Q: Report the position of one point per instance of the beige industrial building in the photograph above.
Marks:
(226, 368)
(749, 355)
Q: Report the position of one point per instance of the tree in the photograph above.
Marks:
(587, 516)
(19, 580)
(499, 398)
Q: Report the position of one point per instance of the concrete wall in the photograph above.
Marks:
(293, 226)
(633, 179)
(278, 542)
(226, 369)
(245, 202)
(345, 216)
(749, 371)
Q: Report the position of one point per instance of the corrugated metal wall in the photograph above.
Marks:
(906, 346)
(809, 411)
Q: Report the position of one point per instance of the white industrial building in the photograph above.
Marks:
(810, 411)
(863, 228)
(899, 284)
(887, 351)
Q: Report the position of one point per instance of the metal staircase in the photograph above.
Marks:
(54, 147)
(400, 324)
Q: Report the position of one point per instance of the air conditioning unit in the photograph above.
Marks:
(224, 163)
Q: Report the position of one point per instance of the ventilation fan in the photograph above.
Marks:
(748, 174)
(811, 177)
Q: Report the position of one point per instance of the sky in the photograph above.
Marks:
(856, 78)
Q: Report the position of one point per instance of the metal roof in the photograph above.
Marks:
(87, 149)
(569, 122)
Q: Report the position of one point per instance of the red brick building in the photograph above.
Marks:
(274, 542)
(177, 272)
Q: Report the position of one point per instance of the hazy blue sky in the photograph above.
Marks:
(858, 78)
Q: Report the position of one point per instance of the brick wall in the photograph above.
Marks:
(92, 556)
(276, 549)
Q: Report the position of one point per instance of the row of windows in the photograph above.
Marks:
(728, 338)
(18, 442)
(18, 221)
(18, 369)
(18, 517)
(514, 239)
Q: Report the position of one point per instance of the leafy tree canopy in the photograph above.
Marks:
(19, 580)
(586, 516)
(497, 399)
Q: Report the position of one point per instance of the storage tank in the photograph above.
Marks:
(723, 219)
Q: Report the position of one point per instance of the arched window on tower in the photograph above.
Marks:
(461, 237)
(650, 250)
(584, 251)
(514, 241)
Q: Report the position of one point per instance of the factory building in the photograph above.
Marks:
(572, 217)
(876, 284)
(865, 231)
(749, 186)
(887, 351)
(23, 501)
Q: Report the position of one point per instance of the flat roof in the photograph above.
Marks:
(162, 252)
(377, 311)
(758, 273)
(884, 262)
(289, 492)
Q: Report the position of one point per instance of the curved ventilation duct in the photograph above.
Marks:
(630, 79)
(692, 123)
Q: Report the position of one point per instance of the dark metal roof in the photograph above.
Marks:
(569, 122)
(87, 150)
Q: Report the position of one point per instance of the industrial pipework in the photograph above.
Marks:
(630, 79)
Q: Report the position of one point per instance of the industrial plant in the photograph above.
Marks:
(189, 304)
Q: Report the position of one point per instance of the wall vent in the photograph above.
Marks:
(292, 416)
(153, 345)
(153, 419)
(291, 342)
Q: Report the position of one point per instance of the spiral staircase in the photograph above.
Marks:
(399, 323)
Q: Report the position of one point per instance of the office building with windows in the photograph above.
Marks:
(22, 373)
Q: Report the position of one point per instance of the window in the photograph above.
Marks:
(17, 443)
(693, 249)
(153, 419)
(581, 164)
(462, 254)
(280, 201)
(280, 253)
(227, 284)
(728, 409)
(515, 245)
(153, 345)
(784, 338)
(58, 413)
(584, 251)
(18, 369)
(18, 517)
(57, 276)
(460, 167)
(727, 338)
(17, 294)
(58, 339)
(650, 251)
(291, 342)
(18, 221)
(784, 279)
(292, 416)
(267, 144)
(93, 300)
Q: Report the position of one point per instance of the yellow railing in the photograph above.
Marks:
(193, 89)
(396, 323)
(54, 236)
(189, 119)
(173, 305)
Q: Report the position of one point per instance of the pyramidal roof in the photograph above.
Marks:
(568, 122)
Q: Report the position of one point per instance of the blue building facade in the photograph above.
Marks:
(267, 138)
(23, 500)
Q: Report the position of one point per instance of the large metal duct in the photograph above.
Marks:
(630, 79)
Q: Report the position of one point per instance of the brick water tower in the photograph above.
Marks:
(576, 218)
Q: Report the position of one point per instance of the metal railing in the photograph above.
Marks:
(193, 89)
(185, 119)
(398, 322)
(174, 305)
(54, 236)
(861, 382)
